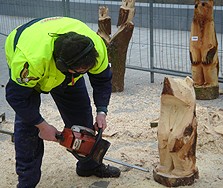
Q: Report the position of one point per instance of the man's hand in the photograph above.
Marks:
(100, 121)
(47, 131)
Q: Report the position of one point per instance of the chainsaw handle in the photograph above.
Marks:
(99, 135)
(59, 137)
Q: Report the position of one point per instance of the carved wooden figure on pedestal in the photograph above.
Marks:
(204, 51)
(177, 134)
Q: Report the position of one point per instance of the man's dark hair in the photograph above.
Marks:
(72, 51)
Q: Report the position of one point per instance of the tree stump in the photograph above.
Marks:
(117, 45)
(177, 134)
(204, 51)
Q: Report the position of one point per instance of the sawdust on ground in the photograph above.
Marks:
(132, 140)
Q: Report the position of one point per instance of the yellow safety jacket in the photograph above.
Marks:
(32, 63)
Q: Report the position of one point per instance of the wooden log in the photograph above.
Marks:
(117, 45)
(177, 134)
(126, 12)
(207, 93)
(117, 51)
(104, 24)
(204, 51)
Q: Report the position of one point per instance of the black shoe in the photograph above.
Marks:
(102, 171)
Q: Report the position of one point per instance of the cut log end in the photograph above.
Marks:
(170, 181)
(206, 93)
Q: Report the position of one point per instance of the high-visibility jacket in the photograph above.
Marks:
(31, 62)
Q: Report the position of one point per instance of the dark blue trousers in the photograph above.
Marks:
(29, 152)
(73, 103)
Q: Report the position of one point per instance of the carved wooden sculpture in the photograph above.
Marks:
(117, 45)
(204, 51)
(177, 134)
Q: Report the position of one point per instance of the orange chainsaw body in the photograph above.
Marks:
(80, 142)
(83, 143)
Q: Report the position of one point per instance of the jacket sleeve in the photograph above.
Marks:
(102, 88)
(25, 102)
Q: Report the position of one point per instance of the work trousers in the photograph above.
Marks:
(73, 103)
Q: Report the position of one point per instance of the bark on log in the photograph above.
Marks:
(204, 51)
(174, 181)
(177, 134)
(117, 45)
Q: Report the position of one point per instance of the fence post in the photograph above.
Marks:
(66, 7)
(151, 42)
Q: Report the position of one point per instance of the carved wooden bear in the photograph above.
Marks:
(177, 133)
(204, 45)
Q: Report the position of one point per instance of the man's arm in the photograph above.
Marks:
(102, 88)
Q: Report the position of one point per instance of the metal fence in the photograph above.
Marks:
(160, 42)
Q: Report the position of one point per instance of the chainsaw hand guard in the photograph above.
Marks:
(83, 144)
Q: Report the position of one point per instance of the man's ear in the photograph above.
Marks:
(61, 65)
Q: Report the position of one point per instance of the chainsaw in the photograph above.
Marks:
(83, 143)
